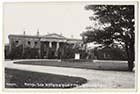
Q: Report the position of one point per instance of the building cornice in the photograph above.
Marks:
(44, 37)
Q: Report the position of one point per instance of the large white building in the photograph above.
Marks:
(46, 46)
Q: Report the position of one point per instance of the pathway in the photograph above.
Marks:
(96, 78)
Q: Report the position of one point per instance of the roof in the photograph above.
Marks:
(48, 36)
(72, 39)
(54, 35)
(27, 36)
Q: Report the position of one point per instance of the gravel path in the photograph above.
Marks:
(96, 78)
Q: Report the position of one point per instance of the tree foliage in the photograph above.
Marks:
(117, 25)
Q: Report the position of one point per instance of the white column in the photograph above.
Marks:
(57, 46)
(50, 44)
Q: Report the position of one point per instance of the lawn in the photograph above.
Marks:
(24, 79)
(100, 65)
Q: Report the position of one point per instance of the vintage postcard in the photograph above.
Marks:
(70, 46)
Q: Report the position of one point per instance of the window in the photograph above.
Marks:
(16, 42)
(29, 42)
(35, 43)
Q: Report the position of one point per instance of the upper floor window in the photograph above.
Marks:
(35, 43)
(16, 42)
(29, 42)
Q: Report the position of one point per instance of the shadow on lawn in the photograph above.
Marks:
(24, 79)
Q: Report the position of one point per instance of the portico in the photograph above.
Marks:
(51, 47)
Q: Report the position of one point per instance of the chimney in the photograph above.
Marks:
(37, 32)
(24, 33)
(71, 36)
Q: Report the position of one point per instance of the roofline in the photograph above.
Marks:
(33, 36)
(11, 35)
(54, 34)
(74, 39)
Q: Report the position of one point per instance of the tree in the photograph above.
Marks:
(115, 23)
(31, 53)
(16, 51)
(68, 51)
(111, 52)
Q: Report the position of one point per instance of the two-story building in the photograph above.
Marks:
(46, 46)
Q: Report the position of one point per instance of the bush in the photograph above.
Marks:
(110, 53)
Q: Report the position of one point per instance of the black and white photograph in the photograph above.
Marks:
(70, 45)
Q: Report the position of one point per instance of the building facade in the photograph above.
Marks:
(37, 46)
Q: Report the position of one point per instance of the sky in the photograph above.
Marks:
(68, 19)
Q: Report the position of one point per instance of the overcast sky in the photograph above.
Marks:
(66, 18)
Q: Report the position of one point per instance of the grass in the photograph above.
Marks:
(24, 79)
(99, 65)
